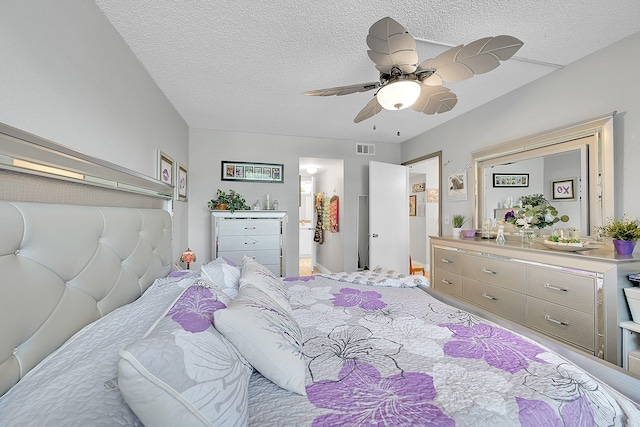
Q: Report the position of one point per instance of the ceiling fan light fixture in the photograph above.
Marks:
(398, 95)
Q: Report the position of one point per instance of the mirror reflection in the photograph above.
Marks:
(571, 167)
(558, 177)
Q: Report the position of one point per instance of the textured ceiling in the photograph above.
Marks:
(243, 65)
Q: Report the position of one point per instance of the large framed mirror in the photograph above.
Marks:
(572, 167)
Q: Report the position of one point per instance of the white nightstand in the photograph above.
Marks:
(631, 346)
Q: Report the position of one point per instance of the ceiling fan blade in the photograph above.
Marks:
(434, 100)
(343, 90)
(464, 61)
(372, 108)
(391, 45)
(504, 47)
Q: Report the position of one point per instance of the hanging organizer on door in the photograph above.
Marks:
(333, 214)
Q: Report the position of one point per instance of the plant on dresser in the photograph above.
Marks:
(535, 212)
(232, 201)
(624, 232)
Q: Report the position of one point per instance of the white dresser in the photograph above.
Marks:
(256, 234)
(575, 298)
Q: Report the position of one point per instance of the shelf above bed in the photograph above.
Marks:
(26, 153)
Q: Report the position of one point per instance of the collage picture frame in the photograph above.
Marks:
(252, 172)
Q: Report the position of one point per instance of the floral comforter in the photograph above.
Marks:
(398, 357)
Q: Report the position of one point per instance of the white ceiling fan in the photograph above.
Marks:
(405, 83)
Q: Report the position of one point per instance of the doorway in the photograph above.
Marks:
(325, 177)
(306, 229)
(425, 190)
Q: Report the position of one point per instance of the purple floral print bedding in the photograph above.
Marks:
(384, 356)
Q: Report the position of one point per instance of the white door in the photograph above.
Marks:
(389, 216)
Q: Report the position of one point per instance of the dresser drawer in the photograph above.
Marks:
(511, 275)
(634, 362)
(248, 243)
(565, 323)
(447, 260)
(447, 282)
(253, 227)
(500, 300)
(567, 289)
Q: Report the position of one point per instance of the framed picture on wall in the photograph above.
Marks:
(165, 168)
(412, 205)
(432, 195)
(253, 172)
(510, 179)
(181, 187)
(458, 186)
(564, 189)
(417, 188)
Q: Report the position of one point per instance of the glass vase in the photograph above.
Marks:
(527, 237)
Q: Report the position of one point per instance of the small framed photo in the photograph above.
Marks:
(412, 205)
(165, 168)
(433, 196)
(457, 186)
(181, 187)
(253, 172)
(564, 189)
(511, 180)
(417, 188)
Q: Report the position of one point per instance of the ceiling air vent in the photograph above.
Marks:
(366, 149)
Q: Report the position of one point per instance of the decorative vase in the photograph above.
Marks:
(527, 237)
(624, 247)
(221, 206)
(457, 231)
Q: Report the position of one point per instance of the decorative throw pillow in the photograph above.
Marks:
(267, 336)
(183, 371)
(224, 274)
(255, 274)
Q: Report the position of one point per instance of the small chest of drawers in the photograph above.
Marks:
(256, 234)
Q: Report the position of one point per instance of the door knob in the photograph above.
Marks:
(374, 235)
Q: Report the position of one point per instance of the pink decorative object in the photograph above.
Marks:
(468, 233)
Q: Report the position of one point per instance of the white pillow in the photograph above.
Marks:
(267, 336)
(256, 274)
(183, 371)
(224, 274)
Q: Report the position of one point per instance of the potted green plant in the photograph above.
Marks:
(535, 212)
(458, 221)
(624, 232)
(232, 201)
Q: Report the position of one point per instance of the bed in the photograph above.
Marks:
(233, 345)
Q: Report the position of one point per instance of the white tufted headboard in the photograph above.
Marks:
(64, 266)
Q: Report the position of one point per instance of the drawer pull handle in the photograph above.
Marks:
(555, 288)
(489, 297)
(446, 261)
(250, 243)
(249, 228)
(485, 270)
(445, 281)
(557, 322)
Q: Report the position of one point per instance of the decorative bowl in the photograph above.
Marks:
(468, 233)
(571, 247)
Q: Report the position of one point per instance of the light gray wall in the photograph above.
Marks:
(595, 85)
(330, 254)
(67, 75)
(207, 148)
